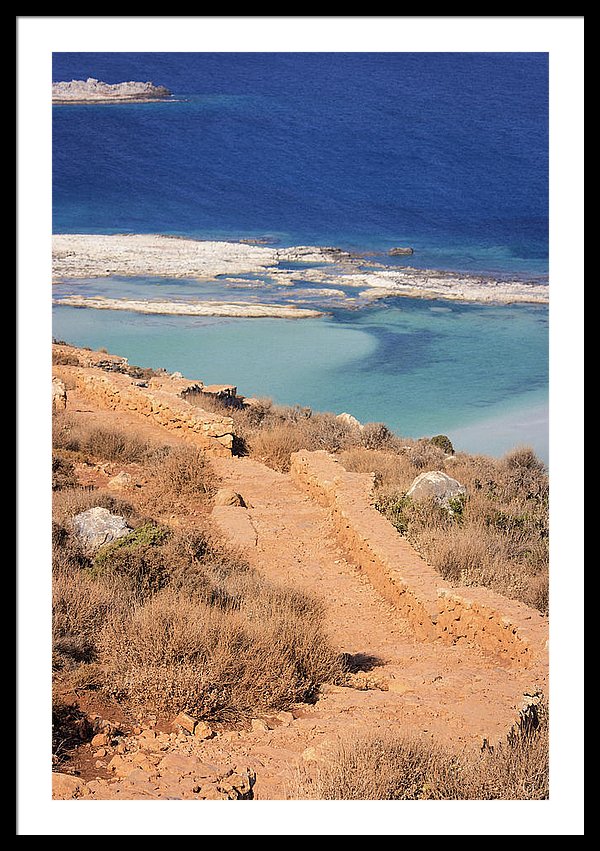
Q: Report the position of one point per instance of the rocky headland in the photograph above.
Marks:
(83, 91)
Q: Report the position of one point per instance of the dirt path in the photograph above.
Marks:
(448, 694)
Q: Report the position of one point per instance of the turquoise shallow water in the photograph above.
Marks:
(477, 373)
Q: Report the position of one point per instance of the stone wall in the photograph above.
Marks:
(505, 629)
(159, 398)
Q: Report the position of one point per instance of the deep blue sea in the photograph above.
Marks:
(445, 152)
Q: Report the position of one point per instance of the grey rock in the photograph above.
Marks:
(59, 395)
(226, 496)
(349, 420)
(438, 485)
(400, 252)
(97, 526)
(122, 481)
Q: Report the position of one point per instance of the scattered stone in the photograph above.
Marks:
(97, 526)
(144, 763)
(184, 764)
(398, 686)
(119, 766)
(230, 736)
(438, 485)
(203, 730)
(259, 726)
(211, 793)
(122, 481)
(100, 753)
(286, 718)
(148, 735)
(311, 755)
(99, 740)
(59, 395)
(400, 252)
(365, 681)
(100, 764)
(176, 375)
(237, 786)
(185, 721)
(226, 496)
(139, 779)
(66, 786)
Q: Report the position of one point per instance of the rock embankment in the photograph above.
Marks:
(162, 398)
(79, 91)
(503, 629)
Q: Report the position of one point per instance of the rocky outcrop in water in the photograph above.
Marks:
(400, 252)
(94, 90)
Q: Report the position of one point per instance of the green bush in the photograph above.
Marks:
(456, 507)
(139, 558)
(442, 442)
(396, 509)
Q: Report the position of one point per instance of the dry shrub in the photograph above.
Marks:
(97, 442)
(110, 444)
(63, 473)
(70, 727)
(172, 621)
(424, 455)
(182, 471)
(272, 432)
(383, 767)
(392, 470)
(65, 432)
(274, 446)
(64, 358)
(443, 442)
(173, 653)
(374, 436)
(80, 607)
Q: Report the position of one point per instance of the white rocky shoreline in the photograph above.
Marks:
(80, 256)
(249, 310)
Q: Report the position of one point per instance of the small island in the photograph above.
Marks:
(92, 90)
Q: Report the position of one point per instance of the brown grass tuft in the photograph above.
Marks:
(498, 538)
(183, 471)
(220, 661)
(385, 768)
